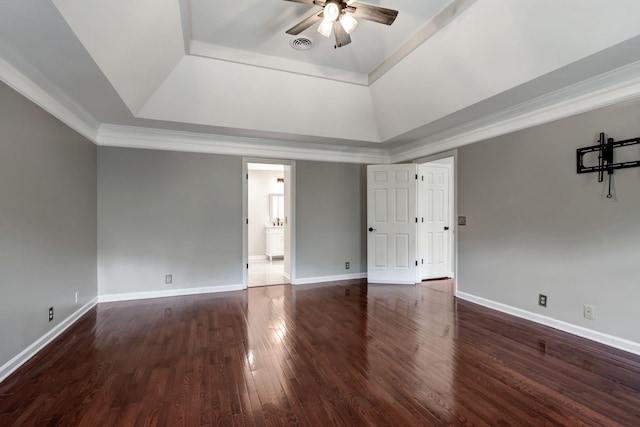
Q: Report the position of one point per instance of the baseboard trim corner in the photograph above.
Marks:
(21, 358)
(599, 337)
(310, 280)
(130, 296)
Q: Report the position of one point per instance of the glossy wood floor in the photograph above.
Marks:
(339, 354)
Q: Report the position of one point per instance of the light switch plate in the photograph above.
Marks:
(462, 220)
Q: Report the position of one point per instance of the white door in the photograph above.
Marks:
(434, 226)
(391, 223)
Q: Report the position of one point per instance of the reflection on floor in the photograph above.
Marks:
(265, 272)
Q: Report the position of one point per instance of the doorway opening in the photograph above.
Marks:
(436, 210)
(268, 229)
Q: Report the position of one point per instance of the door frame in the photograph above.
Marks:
(245, 214)
(453, 209)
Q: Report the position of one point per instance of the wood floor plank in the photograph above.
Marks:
(343, 353)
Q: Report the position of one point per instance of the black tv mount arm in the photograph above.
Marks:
(605, 158)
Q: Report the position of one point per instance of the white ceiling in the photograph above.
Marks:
(220, 76)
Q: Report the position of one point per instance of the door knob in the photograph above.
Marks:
(446, 228)
(372, 229)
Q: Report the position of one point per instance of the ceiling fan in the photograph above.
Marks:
(340, 15)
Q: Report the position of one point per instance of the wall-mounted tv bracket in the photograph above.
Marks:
(605, 158)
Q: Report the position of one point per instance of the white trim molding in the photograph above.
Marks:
(616, 86)
(158, 139)
(310, 280)
(26, 354)
(599, 337)
(619, 85)
(130, 296)
(48, 97)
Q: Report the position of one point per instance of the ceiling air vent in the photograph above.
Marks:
(301, 43)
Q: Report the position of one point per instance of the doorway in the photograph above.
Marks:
(436, 211)
(399, 250)
(268, 213)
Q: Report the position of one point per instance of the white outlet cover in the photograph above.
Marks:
(589, 312)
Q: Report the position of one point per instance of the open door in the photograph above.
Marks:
(392, 224)
(435, 221)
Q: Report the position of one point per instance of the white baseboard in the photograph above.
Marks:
(26, 354)
(602, 338)
(168, 293)
(257, 258)
(309, 280)
(393, 282)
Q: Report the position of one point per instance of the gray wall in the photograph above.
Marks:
(181, 214)
(535, 226)
(331, 218)
(162, 212)
(47, 222)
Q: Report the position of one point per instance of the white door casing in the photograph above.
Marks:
(434, 225)
(391, 223)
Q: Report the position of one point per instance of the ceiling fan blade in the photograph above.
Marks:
(374, 13)
(304, 24)
(302, 1)
(342, 38)
(320, 3)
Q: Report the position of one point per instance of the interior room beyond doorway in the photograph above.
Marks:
(266, 224)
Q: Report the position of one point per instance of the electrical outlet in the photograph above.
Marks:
(347, 265)
(77, 296)
(168, 279)
(588, 312)
(542, 300)
(50, 314)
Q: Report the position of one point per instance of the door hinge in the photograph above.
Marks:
(416, 177)
(247, 220)
(416, 263)
(247, 177)
(416, 220)
(423, 177)
(422, 219)
(422, 261)
(247, 266)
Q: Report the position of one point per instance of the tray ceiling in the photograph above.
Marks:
(225, 69)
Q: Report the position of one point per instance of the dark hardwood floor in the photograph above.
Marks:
(338, 354)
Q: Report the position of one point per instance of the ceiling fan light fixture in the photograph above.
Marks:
(325, 27)
(331, 12)
(348, 22)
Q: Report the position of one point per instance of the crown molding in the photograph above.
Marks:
(41, 93)
(619, 85)
(616, 86)
(157, 139)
